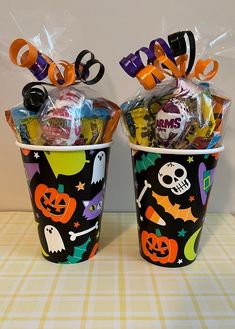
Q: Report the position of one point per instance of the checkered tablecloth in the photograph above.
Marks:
(117, 288)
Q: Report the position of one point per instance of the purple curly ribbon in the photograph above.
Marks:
(148, 52)
(133, 63)
(164, 46)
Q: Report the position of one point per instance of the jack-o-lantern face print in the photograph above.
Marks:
(57, 206)
(159, 248)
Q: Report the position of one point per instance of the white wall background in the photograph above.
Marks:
(111, 29)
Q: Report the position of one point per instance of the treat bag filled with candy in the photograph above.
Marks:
(175, 125)
(64, 133)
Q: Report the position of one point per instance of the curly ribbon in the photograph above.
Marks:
(42, 66)
(68, 78)
(177, 43)
(201, 67)
(149, 76)
(32, 59)
(164, 60)
(131, 64)
(161, 46)
(34, 96)
(84, 73)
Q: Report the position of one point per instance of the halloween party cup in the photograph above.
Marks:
(172, 189)
(67, 186)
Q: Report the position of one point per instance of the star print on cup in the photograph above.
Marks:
(190, 159)
(182, 233)
(36, 155)
(80, 186)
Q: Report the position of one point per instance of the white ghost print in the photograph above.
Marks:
(98, 168)
(53, 238)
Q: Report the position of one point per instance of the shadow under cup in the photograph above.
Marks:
(67, 187)
(172, 189)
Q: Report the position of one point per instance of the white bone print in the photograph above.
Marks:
(146, 186)
(74, 235)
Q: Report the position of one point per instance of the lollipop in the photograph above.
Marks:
(60, 116)
(172, 122)
(67, 115)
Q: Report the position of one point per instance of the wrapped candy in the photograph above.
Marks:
(59, 117)
(172, 121)
(71, 117)
(182, 111)
(25, 125)
(67, 115)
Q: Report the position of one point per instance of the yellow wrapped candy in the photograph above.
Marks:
(204, 127)
(92, 130)
(141, 126)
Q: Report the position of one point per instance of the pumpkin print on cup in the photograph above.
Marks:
(53, 204)
(59, 181)
(172, 189)
(159, 248)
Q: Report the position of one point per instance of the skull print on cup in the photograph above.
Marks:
(173, 176)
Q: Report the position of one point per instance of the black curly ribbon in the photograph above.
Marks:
(41, 66)
(177, 44)
(132, 64)
(34, 97)
(83, 74)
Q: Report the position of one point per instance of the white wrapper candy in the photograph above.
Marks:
(172, 122)
(60, 116)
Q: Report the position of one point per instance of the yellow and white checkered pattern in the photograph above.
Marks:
(117, 288)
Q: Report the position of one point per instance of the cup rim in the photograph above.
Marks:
(62, 148)
(176, 151)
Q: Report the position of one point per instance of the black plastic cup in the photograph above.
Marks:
(172, 189)
(67, 188)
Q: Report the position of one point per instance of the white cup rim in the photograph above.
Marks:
(63, 148)
(175, 151)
